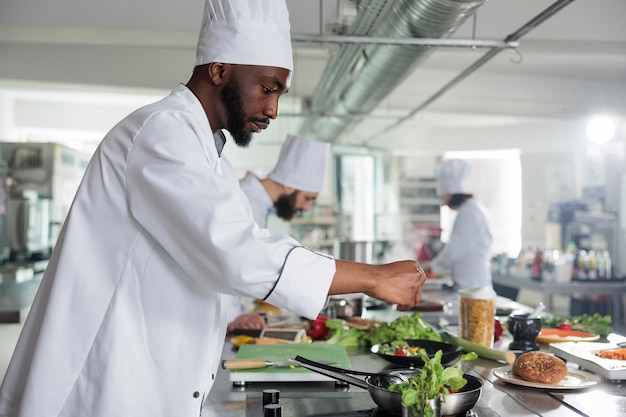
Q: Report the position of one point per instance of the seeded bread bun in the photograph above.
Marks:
(540, 367)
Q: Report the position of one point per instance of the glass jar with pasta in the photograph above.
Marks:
(476, 315)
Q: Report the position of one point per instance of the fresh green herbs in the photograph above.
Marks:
(595, 323)
(404, 327)
(434, 381)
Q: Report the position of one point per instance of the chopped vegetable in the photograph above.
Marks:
(619, 354)
(432, 382)
(595, 323)
(398, 348)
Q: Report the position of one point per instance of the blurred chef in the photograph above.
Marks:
(466, 256)
(131, 313)
(292, 186)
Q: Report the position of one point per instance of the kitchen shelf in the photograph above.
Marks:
(316, 229)
(418, 201)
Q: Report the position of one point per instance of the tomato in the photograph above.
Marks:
(497, 330)
(318, 330)
(564, 326)
(400, 352)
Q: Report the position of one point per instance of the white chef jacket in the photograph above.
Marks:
(467, 253)
(129, 319)
(260, 200)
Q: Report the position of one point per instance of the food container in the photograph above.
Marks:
(524, 330)
(476, 315)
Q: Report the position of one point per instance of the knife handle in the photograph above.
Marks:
(243, 363)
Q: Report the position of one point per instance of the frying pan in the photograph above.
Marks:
(377, 384)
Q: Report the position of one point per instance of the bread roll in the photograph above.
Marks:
(540, 367)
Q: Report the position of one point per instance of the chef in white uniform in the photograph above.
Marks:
(466, 256)
(130, 317)
(292, 186)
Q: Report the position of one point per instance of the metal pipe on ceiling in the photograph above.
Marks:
(360, 76)
(453, 43)
(515, 36)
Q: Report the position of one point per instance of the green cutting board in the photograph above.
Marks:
(317, 351)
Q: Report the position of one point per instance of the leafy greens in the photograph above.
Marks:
(404, 327)
(433, 382)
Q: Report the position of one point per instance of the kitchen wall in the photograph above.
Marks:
(557, 161)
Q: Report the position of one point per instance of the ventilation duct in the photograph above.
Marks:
(359, 76)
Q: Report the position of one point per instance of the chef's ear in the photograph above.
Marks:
(217, 72)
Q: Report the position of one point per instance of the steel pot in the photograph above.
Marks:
(377, 384)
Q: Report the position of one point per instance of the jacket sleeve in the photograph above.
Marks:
(191, 205)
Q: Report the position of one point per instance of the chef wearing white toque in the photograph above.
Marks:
(467, 254)
(131, 313)
(293, 184)
(291, 187)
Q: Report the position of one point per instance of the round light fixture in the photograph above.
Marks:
(601, 129)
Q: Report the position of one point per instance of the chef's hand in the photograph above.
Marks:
(401, 284)
(247, 321)
(397, 282)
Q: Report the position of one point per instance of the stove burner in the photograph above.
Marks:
(376, 412)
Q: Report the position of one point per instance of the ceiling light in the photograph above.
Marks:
(601, 129)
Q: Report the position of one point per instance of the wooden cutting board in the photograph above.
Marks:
(317, 351)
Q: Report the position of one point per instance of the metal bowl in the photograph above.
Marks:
(464, 400)
(458, 403)
(450, 353)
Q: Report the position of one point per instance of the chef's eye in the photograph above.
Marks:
(267, 90)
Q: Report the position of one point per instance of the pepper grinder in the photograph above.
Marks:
(273, 410)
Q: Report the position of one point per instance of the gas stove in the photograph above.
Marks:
(340, 404)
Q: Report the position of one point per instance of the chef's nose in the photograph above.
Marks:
(271, 110)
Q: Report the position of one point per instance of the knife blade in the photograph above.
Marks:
(262, 363)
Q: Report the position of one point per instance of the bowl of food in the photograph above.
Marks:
(405, 352)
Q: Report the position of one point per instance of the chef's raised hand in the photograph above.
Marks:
(397, 282)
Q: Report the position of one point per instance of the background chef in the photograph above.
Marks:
(466, 256)
(291, 186)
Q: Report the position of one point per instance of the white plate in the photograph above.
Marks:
(574, 380)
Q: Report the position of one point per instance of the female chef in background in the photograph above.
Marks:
(466, 255)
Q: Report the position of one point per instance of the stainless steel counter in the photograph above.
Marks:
(301, 399)
(614, 290)
(498, 398)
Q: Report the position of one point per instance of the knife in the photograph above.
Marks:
(262, 363)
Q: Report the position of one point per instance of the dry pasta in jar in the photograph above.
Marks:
(476, 318)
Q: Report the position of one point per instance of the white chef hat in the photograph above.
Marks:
(245, 32)
(301, 164)
(451, 175)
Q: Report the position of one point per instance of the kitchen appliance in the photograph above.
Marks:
(29, 227)
(43, 180)
(5, 248)
(365, 251)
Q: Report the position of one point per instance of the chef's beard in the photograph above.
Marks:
(236, 119)
(285, 206)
